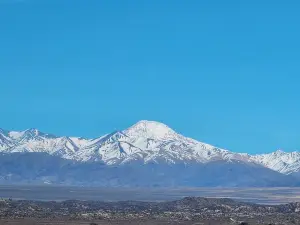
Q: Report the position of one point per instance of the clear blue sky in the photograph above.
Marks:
(223, 72)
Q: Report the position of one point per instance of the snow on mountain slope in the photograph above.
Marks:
(5, 142)
(152, 130)
(283, 162)
(149, 141)
(145, 142)
(32, 140)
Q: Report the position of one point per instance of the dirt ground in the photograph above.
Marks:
(141, 222)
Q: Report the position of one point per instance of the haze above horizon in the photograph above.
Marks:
(224, 73)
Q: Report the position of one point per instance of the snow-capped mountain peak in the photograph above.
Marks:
(28, 133)
(16, 134)
(283, 162)
(33, 131)
(279, 152)
(145, 141)
(151, 130)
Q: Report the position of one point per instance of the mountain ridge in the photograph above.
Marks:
(144, 142)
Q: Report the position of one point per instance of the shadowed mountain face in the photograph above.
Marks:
(37, 168)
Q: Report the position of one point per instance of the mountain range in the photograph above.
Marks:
(148, 153)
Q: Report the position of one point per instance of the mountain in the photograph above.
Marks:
(146, 141)
(148, 153)
(283, 162)
(42, 168)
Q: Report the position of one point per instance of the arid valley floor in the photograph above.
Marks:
(61, 193)
(74, 205)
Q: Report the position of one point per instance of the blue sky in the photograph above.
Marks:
(222, 72)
